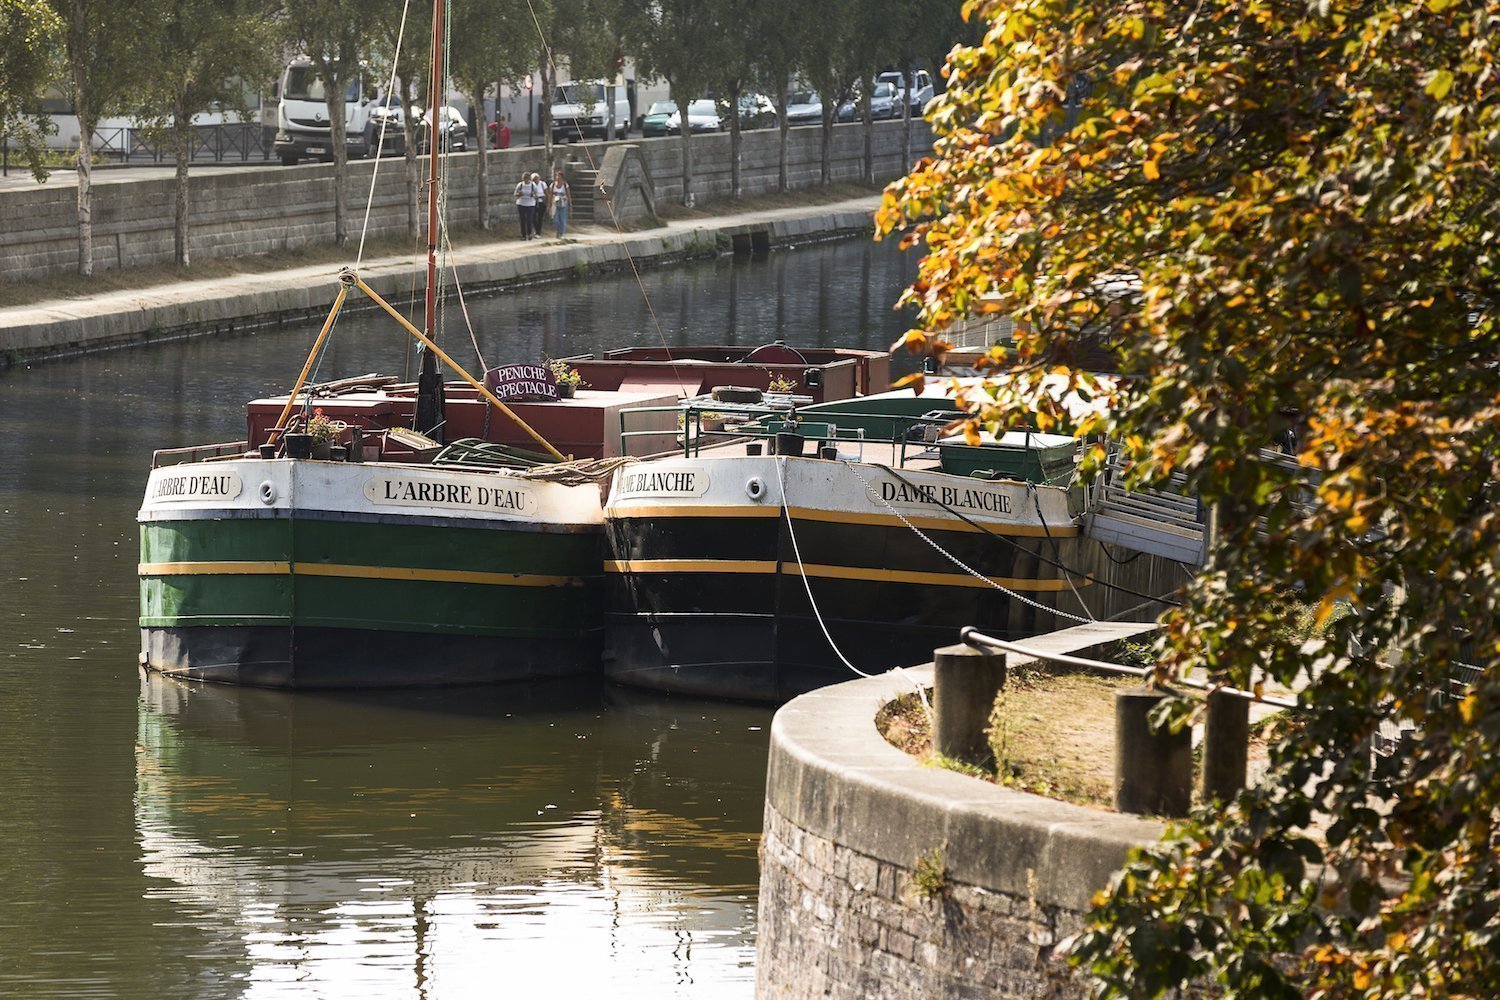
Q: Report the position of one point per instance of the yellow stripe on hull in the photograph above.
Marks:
(402, 573)
(831, 573)
(845, 517)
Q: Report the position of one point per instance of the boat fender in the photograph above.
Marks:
(268, 493)
(754, 488)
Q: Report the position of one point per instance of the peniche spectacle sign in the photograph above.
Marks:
(521, 382)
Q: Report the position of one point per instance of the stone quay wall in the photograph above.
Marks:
(259, 210)
(847, 819)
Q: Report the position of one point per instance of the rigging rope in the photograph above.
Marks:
(385, 121)
(1089, 577)
(950, 556)
(786, 510)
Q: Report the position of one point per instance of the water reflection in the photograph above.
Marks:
(400, 845)
(168, 843)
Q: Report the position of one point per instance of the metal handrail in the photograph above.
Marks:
(971, 636)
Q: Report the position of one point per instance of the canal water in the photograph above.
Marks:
(161, 840)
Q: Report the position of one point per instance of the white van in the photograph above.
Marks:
(919, 94)
(581, 111)
(302, 130)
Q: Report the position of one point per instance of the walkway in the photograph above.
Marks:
(183, 308)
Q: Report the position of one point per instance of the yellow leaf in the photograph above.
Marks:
(1151, 170)
(1442, 81)
(1468, 709)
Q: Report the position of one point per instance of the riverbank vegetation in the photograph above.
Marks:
(1283, 218)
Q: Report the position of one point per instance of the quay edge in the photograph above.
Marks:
(847, 818)
(52, 330)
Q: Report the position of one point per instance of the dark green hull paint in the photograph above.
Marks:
(305, 630)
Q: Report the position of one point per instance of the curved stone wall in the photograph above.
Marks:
(847, 818)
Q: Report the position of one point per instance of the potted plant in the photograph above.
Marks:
(567, 378)
(323, 431)
(780, 383)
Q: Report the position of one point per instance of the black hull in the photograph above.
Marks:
(331, 658)
(746, 635)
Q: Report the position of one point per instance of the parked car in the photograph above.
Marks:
(703, 116)
(882, 103)
(385, 132)
(654, 121)
(757, 111)
(581, 111)
(453, 130)
(920, 93)
(804, 107)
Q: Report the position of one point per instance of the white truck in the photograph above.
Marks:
(302, 128)
(581, 111)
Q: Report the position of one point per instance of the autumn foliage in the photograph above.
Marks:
(1283, 220)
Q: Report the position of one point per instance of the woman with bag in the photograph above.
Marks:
(559, 200)
(526, 206)
(538, 205)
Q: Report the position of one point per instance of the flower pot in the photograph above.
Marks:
(788, 443)
(322, 450)
(566, 391)
(298, 445)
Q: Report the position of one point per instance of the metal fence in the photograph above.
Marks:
(236, 142)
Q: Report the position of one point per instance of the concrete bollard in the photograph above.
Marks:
(1153, 771)
(1226, 745)
(965, 683)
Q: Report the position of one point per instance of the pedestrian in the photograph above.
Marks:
(526, 206)
(538, 205)
(559, 200)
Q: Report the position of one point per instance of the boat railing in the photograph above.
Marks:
(198, 453)
(707, 424)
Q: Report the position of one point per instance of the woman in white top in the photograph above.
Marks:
(538, 205)
(559, 200)
(526, 206)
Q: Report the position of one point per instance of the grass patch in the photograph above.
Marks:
(1052, 734)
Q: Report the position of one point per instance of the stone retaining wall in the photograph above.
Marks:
(256, 210)
(847, 818)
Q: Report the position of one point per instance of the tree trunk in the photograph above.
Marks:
(687, 153)
(825, 165)
(734, 142)
(545, 110)
(906, 116)
(182, 133)
(783, 181)
(82, 94)
(481, 166)
(333, 89)
(409, 156)
(864, 112)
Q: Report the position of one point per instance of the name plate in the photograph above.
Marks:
(662, 483)
(407, 491)
(180, 487)
(976, 499)
(521, 382)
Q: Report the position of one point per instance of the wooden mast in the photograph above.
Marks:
(429, 415)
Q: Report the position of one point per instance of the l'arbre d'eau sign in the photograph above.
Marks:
(521, 382)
